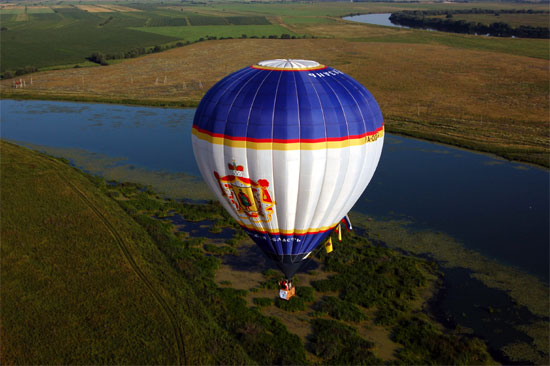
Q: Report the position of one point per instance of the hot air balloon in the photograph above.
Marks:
(288, 147)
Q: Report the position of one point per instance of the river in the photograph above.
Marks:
(493, 206)
(376, 19)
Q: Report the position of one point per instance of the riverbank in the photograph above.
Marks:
(429, 91)
(401, 127)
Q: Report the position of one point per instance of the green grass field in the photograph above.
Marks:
(83, 283)
(47, 36)
(297, 20)
(235, 31)
(337, 9)
(514, 20)
(538, 48)
(69, 36)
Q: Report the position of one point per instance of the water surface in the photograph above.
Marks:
(376, 19)
(493, 206)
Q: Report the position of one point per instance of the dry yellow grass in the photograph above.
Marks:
(6, 6)
(120, 8)
(94, 9)
(206, 10)
(471, 98)
(21, 17)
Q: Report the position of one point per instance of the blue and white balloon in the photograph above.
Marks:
(288, 147)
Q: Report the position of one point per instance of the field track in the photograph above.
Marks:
(182, 357)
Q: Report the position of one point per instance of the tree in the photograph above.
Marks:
(98, 58)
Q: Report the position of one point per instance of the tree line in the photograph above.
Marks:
(428, 19)
(103, 58)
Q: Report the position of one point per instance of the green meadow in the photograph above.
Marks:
(105, 279)
(50, 36)
(193, 34)
(69, 36)
(537, 48)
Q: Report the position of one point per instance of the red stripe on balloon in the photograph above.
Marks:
(289, 141)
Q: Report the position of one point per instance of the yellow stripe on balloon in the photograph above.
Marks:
(288, 232)
(322, 145)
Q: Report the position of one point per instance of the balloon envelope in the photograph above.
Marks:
(288, 147)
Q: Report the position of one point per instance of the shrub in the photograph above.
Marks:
(220, 250)
(339, 309)
(268, 273)
(271, 284)
(339, 344)
(387, 315)
(306, 293)
(262, 301)
(424, 344)
(294, 304)
(98, 58)
(324, 285)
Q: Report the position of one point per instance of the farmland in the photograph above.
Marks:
(45, 37)
(466, 97)
(236, 31)
(53, 35)
(75, 33)
(484, 93)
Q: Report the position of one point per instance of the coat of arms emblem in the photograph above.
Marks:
(250, 199)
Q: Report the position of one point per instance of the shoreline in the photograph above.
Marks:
(397, 129)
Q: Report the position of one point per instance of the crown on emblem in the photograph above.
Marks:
(234, 166)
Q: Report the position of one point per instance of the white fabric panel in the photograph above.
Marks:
(351, 168)
(282, 63)
(312, 174)
(286, 171)
(335, 173)
(367, 166)
(311, 189)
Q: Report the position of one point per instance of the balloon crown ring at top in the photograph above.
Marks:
(289, 65)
